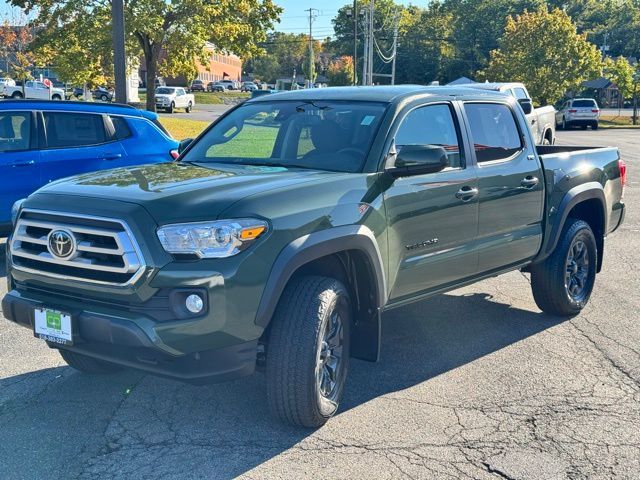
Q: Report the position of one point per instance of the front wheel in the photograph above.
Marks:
(594, 126)
(188, 109)
(308, 351)
(563, 283)
(171, 107)
(16, 95)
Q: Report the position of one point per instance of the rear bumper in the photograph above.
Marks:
(582, 121)
(122, 342)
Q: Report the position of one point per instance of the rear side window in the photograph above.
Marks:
(430, 125)
(520, 93)
(15, 131)
(73, 129)
(121, 128)
(494, 131)
(584, 104)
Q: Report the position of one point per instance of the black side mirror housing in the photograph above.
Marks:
(184, 144)
(419, 160)
(526, 104)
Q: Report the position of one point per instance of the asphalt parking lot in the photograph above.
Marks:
(476, 383)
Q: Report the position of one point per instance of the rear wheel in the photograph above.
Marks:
(171, 107)
(563, 283)
(87, 364)
(594, 126)
(16, 95)
(56, 97)
(188, 109)
(104, 98)
(308, 351)
(564, 123)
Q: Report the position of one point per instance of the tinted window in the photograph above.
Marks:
(520, 93)
(165, 91)
(584, 104)
(493, 130)
(73, 129)
(121, 127)
(15, 131)
(430, 125)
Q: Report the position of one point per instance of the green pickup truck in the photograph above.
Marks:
(282, 233)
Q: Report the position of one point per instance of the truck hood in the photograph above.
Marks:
(179, 192)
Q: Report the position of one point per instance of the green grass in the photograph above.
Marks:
(252, 142)
(181, 128)
(212, 98)
(617, 122)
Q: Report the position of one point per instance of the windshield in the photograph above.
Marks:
(164, 91)
(322, 135)
(584, 103)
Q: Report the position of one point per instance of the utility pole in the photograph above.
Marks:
(395, 50)
(365, 55)
(312, 74)
(119, 55)
(355, 42)
(370, 47)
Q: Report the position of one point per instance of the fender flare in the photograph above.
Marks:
(575, 196)
(311, 247)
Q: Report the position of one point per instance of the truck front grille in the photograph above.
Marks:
(75, 247)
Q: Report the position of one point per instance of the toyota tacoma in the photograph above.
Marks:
(286, 229)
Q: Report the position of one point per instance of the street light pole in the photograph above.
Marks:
(119, 56)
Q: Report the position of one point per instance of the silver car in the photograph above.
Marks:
(578, 112)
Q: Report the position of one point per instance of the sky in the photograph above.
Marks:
(294, 19)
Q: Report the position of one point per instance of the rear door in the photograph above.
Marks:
(77, 142)
(432, 218)
(19, 159)
(511, 186)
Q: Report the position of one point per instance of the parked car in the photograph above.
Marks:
(215, 87)
(248, 87)
(170, 98)
(542, 122)
(578, 112)
(33, 90)
(197, 86)
(282, 234)
(42, 141)
(229, 84)
(6, 81)
(99, 93)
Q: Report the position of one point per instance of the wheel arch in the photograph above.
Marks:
(349, 254)
(584, 202)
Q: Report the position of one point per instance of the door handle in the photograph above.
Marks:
(529, 181)
(112, 156)
(23, 164)
(466, 193)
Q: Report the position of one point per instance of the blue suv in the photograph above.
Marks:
(42, 140)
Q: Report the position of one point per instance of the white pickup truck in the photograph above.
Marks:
(170, 98)
(33, 89)
(542, 121)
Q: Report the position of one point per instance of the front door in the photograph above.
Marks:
(432, 218)
(19, 158)
(511, 186)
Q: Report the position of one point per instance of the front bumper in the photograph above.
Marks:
(122, 342)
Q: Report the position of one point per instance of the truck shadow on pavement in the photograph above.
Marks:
(132, 425)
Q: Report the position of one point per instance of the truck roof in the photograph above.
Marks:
(387, 94)
(496, 86)
(76, 106)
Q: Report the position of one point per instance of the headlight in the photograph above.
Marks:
(219, 239)
(15, 211)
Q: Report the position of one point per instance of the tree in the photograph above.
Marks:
(340, 71)
(171, 36)
(620, 72)
(543, 50)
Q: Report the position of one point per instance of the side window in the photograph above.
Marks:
(494, 131)
(15, 131)
(73, 129)
(520, 93)
(431, 125)
(121, 128)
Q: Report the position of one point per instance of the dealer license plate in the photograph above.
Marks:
(53, 326)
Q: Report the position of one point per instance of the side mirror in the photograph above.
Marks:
(184, 144)
(418, 160)
(526, 104)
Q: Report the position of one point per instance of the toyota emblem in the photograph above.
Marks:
(61, 244)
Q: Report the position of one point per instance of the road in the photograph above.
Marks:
(204, 112)
(476, 383)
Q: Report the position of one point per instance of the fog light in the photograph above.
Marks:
(194, 303)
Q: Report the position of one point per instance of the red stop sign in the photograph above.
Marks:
(47, 83)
